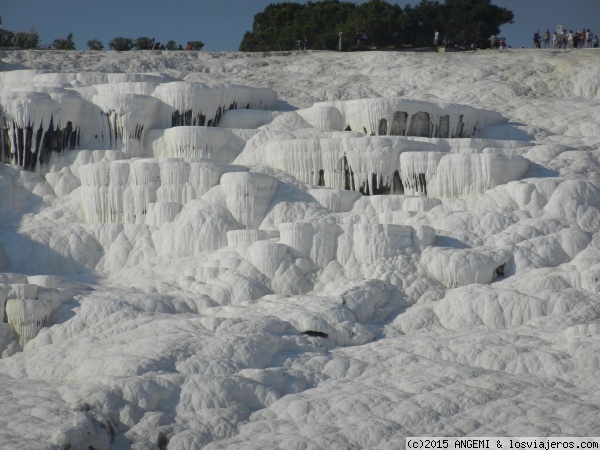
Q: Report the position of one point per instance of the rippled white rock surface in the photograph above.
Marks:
(204, 250)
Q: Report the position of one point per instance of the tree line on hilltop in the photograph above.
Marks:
(375, 23)
(31, 40)
(331, 25)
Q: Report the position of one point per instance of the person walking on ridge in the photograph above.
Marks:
(547, 38)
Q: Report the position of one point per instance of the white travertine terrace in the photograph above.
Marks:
(402, 117)
(275, 281)
(45, 113)
(216, 144)
(123, 191)
(28, 317)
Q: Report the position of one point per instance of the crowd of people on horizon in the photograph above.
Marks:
(302, 44)
(565, 40)
(497, 42)
(560, 39)
(494, 43)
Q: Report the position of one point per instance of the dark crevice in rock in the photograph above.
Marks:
(315, 333)
(30, 146)
(321, 178)
(399, 122)
(382, 131)
(420, 125)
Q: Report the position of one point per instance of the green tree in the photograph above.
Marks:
(422, 21)
(171, 45)
(143, 43)
(197, 45)
(19, 39)
(95, 44)
(27, 40)
(120, 44)
(280, 25)
(7, 38)
(380, 20)
(474, 20)
(64, 44)
(460, 21)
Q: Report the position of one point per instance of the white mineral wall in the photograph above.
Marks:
(22, 290)
(160, 213)
(323, 117)
(378, 241)
(115, 115)
(205, 104)
(267, 256)
(132, 87)
(370, 163)
(382, 204)
(413, 118)
(27, 117)
(199, 227)
(378, 162)
(144, 181)
(174, 181)
(472, 145)
(254, 152)
(95, 180)
(77, 78)
(590, 280)
(422, 236)
(245, 118)
(28, 317)
(28, 303)
(122, 191)
(245, 238)
(316, 242)
(248, 196)
(336, 200)
(128, 118)
(461, 267)
(306, 158)
(462, 175)
(216, 144)
(417, 168)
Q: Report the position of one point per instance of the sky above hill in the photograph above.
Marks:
(221, 25)
(230, 303)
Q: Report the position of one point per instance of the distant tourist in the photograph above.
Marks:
(361, 38)
(436, 38)
(536, 39)
(554, 40)
(547, 38)
(570, 39)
